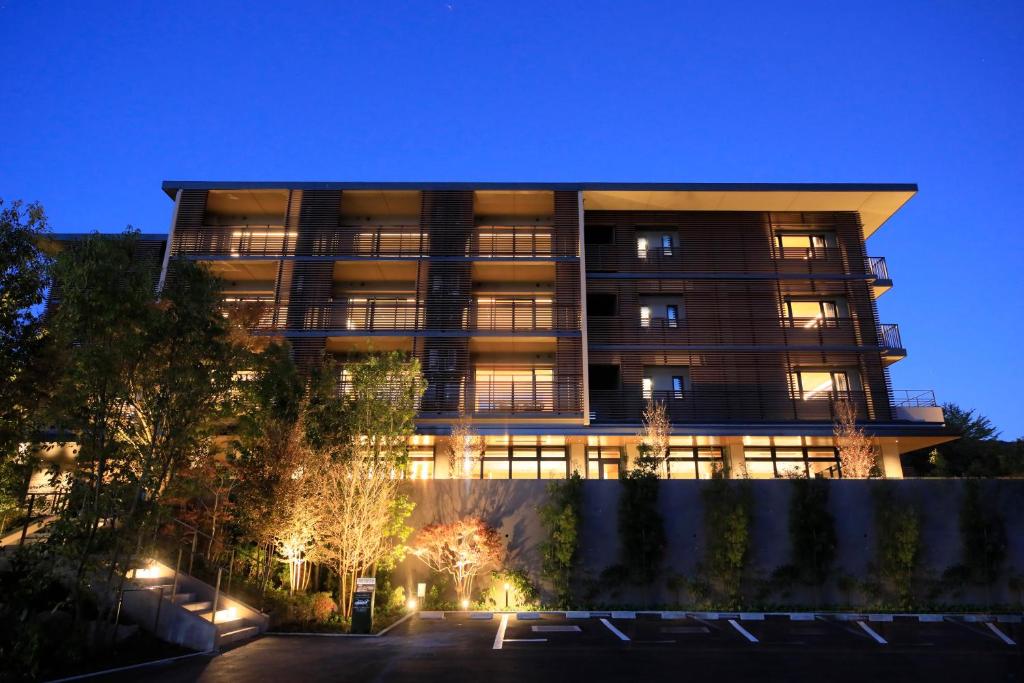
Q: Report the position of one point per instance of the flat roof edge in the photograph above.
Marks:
(171, 186)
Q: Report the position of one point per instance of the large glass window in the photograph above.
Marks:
(693, 462)
(603, 462)
(800, 244)
(812, 313)
(525, 457)
(769, 457)
(811, 384)
(515, 389)
(421, 462)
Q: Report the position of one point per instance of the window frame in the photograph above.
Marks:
(509, 457)
(691, 456)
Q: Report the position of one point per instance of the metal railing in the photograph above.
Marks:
(236, 240)
(33, 508)
(878, 268)
(889, 336)
(512, 241)
(913, 398)
(725, 404)
(552, 397)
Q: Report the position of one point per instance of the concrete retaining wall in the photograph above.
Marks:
(511, 506)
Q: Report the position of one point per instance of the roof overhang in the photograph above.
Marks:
(875, 202)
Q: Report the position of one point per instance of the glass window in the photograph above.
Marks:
(645, 316)
(805, 244)
(603, 462)
(553, 469)
(672, 315)
(495, 469)
(792, 456)
(524, 469)
(648, 387)
(760, 469)
(691, 463)
(666, 245)
(641, 247)
(677, 387)
(809, 384)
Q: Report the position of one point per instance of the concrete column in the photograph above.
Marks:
(632, 452)
(441, 458)
(734, 460)
(892, 468)
(578, 459)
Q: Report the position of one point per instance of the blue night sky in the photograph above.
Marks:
(104, 100)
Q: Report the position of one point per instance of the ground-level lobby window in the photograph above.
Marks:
(768, 457)
(525, 457)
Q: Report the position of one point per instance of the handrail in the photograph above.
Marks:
(889, 336)
(913, 398)
(878, 268)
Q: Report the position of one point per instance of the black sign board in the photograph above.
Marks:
(362, 611)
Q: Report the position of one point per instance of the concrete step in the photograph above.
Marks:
(231, 625)
(179, 598)
(238, 635)
(201, 606)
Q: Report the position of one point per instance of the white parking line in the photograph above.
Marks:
(873, 633)
(1002, 636)
(499, 637)
(620, 634)
(526, 640)
(743, 632)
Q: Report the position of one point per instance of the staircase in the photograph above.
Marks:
(184, 613)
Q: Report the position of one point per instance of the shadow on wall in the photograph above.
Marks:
(512, 508)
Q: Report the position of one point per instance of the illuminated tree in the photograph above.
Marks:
(462, 549)
(465, 451)
(856, 452)
(362, 447)
(654, 438)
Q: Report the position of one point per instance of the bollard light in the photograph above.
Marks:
(411, 603)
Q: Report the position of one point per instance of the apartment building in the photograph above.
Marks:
(548, 314)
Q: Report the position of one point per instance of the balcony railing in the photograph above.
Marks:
(913, 398)
(877, 267)
(512, 241)
(889, 336)
(725, 404)
(236, 240)
(559, 396)
(405, 313)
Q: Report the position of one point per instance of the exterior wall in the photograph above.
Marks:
(512, 508)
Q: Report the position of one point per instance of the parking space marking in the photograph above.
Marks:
(742, 631)
(872, 632)
(526, 640)
(617, 632)
(1002, 636)
(556, 629)
(499, 637)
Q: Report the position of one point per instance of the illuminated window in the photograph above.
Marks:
(666, 245)
(648, 388)
(515, 389)
(812, 384)
(525, 457)
(421, 462)
(805, 245)
(672, 315)
(641, 247)
(645, 316)
(789, 456)
(677, 387)
(812, 313)
(603, 462)
(693, 463)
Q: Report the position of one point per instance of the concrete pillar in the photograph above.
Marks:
(578, 459)
(892, 468)
(632, 452)
(734, 460)
(441, 458)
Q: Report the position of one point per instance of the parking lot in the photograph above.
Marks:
(616, 646)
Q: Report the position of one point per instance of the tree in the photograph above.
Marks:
(462, 549)
(24, 280)
(970, 424)
(654, 439)
(465, 451)
(362, 443)
(562, 518)
(857, 458)
(897, 545)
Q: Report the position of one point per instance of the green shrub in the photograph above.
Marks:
(812, 530)
(727, 520)
(562, 517)
(897, 546)
(641, 527)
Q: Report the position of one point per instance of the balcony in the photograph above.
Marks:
(916, 405)
(276, 241)
(710, 256)
(753, 331)
(514, 241)
(554, 397)
(878, 271)
(891, 343)
(724, 404)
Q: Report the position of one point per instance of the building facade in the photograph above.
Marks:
(548, 315)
